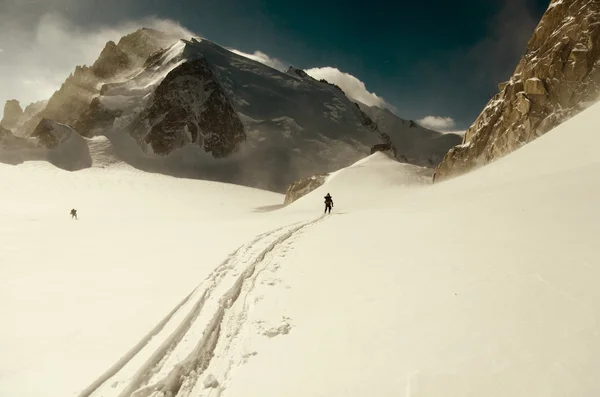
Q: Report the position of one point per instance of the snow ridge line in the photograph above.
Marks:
(199, 359)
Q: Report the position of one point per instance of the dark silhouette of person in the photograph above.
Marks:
(328, 203)
(73, 213)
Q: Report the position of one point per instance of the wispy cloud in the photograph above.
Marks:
(263, 58)
(352, 86)
(437, 123)
(36, 60)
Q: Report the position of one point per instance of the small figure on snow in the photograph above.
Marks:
(328, 203)
(74, 214)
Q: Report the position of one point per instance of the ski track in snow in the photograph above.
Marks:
(170, 359)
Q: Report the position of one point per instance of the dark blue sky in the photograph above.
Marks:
(436, 57)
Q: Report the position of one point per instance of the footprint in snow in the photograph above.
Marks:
(283, 329)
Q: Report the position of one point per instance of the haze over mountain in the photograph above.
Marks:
(188, 107)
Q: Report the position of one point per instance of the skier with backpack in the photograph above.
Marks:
(328, 203)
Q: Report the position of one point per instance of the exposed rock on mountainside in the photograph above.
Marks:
(75, 95)
(190, 106)
(50, 134)
(302, 187)
(18, 120)
(558, 76)
(9, 141)
(96, 117)
(56, 143)
(382, 147)
(12, 114)
(410, 142)
(112, 61)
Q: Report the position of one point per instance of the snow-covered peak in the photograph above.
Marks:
(189, 107)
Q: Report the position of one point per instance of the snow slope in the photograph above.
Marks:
(481, 285)
(74, 295)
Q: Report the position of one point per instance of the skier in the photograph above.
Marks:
(73, 213)
(328, 203)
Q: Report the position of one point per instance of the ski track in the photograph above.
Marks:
(231, 352)
(176, 352)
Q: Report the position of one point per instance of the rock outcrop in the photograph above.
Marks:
(558, 76)
(382, 147)
(190, 107)
(56, 143)
(22, 122)
(409, 142)
(8, 141)
(73, 99)
(112, 61)
(12, 114)
(96, 117)
(302, 187)
(50, 134)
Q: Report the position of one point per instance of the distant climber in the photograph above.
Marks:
(73, 213)
(328, 203)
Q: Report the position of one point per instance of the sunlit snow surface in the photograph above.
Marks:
(484, 285)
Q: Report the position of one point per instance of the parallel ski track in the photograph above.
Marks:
(199, 358)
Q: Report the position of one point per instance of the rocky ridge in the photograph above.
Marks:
(557, 77)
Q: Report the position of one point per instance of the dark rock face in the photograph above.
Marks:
(50, 134)
(337, 87)
(559, 72)
(112, 61)
(371, 125)
(9, 144)
(12, 114)
(382, 147)
(154, 59)
(4, 132)
(298, 72)
(96, 116)
(190, 106)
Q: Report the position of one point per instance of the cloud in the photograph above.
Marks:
(263, 58)
(36, 60)
(437, 123)
(353, 87)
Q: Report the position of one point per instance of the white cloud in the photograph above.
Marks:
(437, 123)
(461, 133)
(353, 87)
(38, 59)
(263, 58)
